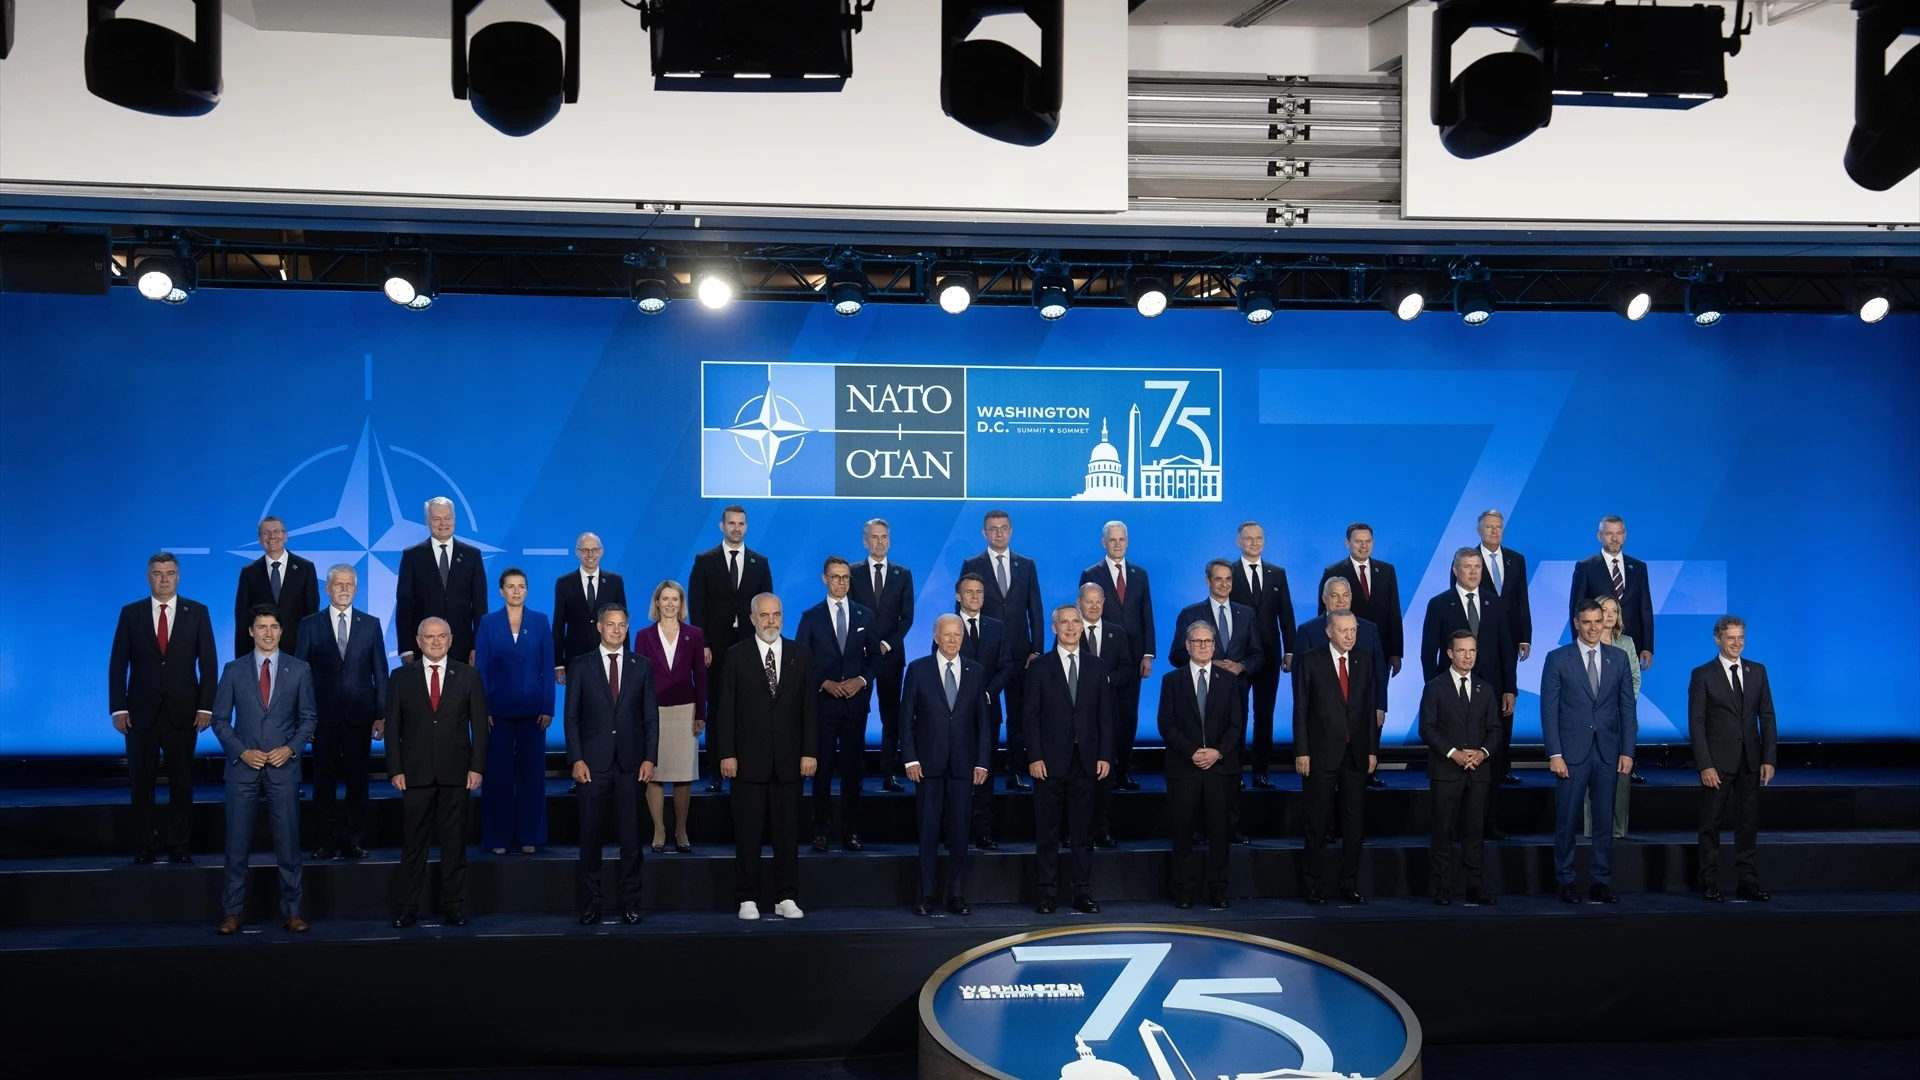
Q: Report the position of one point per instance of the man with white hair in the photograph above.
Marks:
(436, 751)
(441, 578)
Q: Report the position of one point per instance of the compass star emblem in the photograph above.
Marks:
(769, 430)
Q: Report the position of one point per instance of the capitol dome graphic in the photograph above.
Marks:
(1180, 478)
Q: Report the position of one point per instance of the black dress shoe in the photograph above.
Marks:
(683, 849)
(924, 907)
(1046, 906)
(1569, 894)
(179, 857)
(892, 783)
(852, 843)
(1374, 781)
(1241, 838)
(1351, 896)
(1509, 779)
(1183, 903)
(1441, 899)
(819, 842)
(1218, 901)
(1129, 784)
(1105, 840)
(1600, 893)
(1751, 890)
(1712, 895)
(591, 916)
(405, 919)
(713, 784)
(957, 905)
(1199, 838)
(322, 854)
(1260, 782)
(1017, 783)
(1636, 778)
(1480, 898)
(987, 843)
(454, 917)
(1497, 834)
(1315, 897)
(353, 851)
(143, 857)
(1084, 905)
(631, 915)
(1066, 843)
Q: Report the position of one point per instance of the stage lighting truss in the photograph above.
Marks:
(1884, 147)
(148, 68)
(516, 74)
(747, 45)
(1147, 291)
(1052, 293)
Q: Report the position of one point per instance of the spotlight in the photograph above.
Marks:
(992, 87)
(955, 290)
(160, 277)
(1872, 299)
(1256, 299)
(516, 74)
(715, 287)
(1405, 295)
(1632, 297)
(6, 28)
(649, 293)
(1884, 147)
(1475, 299)
(409, 281)
(1707, 300)
(847, 288)
(1052, 294)
(744, 45)
(1148, 294)
(148, 68)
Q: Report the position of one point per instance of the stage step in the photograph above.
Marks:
(110, 890)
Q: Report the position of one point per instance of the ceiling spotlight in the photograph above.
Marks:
(751, 45)
(516, 74)
(649, 293)
(955, 290)
(1872, 299)
(1148, 293)
(158, 277)
(1632, 297)
(421, 302)
(1475, 299)
(1256, 299)
(715, 287)
(148, 68)
(992, 87)
(1707, 300)
(1052, 294)
(1884, 147)
(410, 280)
(1405, 295)
(847, 288)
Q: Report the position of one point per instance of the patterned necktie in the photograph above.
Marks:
(1473, 615)
(1619, 583)
(773, 675)
(613, 676)
(953, 686)
(1493, 569)
(1200, 692)
(342, 635)
(433, 687)
(273, 579)
(446, 565)
(1073, 678)
(160, 632)
(840, 625)
(266, 683)
(1593, 671)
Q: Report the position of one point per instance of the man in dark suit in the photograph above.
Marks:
(1069, 725)
(1463, 728)
(577, 598)
(1262, 586)
(1112, 647)
(1587, 719)
(839, 635)
(1335, 595)
(1730, 723)
(346, 653)
(613, 735)
(1336, 743)
(1237, 650)
(886, 588)
(1203, 718)
(441, 578)
(1506, 580)
(984, 641)
(1625, 578)
(1469, 606)
(720, 591)
(947, 743)
(263, 713)
(765, 729)
(277, 577)
(1129, 602)
(436, 750)
(160, 683)
(1376, 591)
(1013, 598)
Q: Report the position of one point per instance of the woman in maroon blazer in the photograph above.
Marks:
(676, 649)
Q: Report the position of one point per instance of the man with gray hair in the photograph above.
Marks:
(1129, 605)
(441, 578)
(346, 652)
(578, 596)
(437, 717)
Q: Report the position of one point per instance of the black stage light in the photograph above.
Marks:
(409, 280)
(1147, 292)
(1872, 299)
(1405, 294)
(1256, 299)
(1499, 99)
(1052, 293)
(649, 293)
(746, 45)
(992, 87)
(847, 288)
(148, 68)
(1475, 299)
(1884, 147)
(1708, 299)
(1632, 297)
(955, 290)
(516, 74)
(716, 284)
(165, 277)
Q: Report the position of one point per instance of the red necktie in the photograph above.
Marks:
(1366, 588)
(1120, 582)
(1343, 688)
(266, 684)
(433, 687)
(162, 632)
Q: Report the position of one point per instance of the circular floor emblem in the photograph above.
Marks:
(1161, 1003)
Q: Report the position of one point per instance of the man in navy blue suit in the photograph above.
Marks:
(886, 587)
(846, 655)
(1069, 722)
(1012, 597)
(1615, 572)
(984, 640)
(1241, 654)
(443, 578)
(347, 653)
(1587, 718)
(947, 743)
(1128, 603)
(613, 737)
(263, 714)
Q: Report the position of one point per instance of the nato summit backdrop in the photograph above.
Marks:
(1763, 466)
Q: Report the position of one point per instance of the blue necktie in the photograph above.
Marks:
(840, 625)
(1493, 568)
(273, 579)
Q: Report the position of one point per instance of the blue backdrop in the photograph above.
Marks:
(1765, 466)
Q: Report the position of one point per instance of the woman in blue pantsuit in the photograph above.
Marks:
(514, 654)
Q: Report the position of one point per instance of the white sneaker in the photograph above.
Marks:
(750, 910)
(787, 909)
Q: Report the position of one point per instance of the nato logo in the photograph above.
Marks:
(1161, 1003)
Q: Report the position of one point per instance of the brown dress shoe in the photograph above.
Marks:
(230, 924)
(295, 924)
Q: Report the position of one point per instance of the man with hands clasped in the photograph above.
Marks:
(1462, 724)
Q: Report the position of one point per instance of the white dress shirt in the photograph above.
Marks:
(1089, 637)
(670, 646)
(1193, 676)
(1065, 655)
(588, 575)
(765, 651)
(173, 613)
(1458, 676)
(333, 619)
(1479, 602)
(1727, 668)
(1611, 561)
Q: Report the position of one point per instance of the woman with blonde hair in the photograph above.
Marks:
(676, 650)
(1612, 633)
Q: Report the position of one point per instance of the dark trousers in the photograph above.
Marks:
(280, 790)
(843, 744)
(1592, 778)
(1266, 691)
(430, 811)
(617, 791)
(1070, 790)
(513, 801)
(1742, 790)
(1498, 764)
(144, 747)
(718, 642)
(340, 753)
(983, 804)
(1126, 727)
(944, 805)
(892, 675)
(1450, 799)
(1349, 780)
(1185, 795)
(768, 808)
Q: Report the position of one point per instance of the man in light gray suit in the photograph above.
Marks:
(263, 714)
